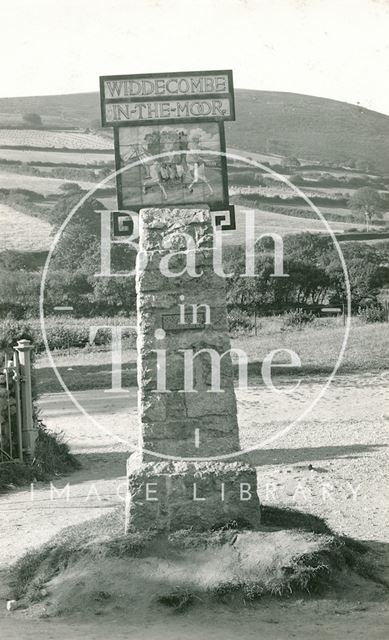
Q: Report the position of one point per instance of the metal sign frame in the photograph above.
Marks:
(224, 220)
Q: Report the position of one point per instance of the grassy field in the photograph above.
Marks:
(56, 139)
(270, 222)
(317, 346)
(41, 185)
(21, 232)
(59, 157)
(258, 157)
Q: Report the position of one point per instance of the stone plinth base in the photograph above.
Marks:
(171, 495)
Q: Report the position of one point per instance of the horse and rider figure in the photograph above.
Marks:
(182, 162)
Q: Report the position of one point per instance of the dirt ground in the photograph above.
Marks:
(328, 619)
(334, 463)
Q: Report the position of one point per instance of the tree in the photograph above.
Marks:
(297, 179)
(67, 287)
(32, 119)
(70, 187)
(85, 214)
(307, 281)
(367, 273)
(368, 202)
(112, 296)
(77, 261)
(19, 293)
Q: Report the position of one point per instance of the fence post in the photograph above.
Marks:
(24, 348)
(19, 418)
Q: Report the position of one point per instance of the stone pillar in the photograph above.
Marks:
(187, 410)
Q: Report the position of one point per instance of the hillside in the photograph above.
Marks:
(309, 127)
(272, 122)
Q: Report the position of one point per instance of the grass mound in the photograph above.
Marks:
(93, 565)
(52, 458)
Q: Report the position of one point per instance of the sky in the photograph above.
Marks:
(331, 48)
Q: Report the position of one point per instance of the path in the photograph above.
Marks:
(345, 440)
(334, 464)
(329, 619)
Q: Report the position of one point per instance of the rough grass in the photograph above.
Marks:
(52, 458)
(38, 566)
(317, 345)
(179, 599)
(91, 563)
(52, 454)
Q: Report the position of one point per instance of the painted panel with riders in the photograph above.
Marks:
(171, 163)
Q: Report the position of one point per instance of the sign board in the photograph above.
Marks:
(166, 98)
(173, 322)
(171, 165)
(170, 148)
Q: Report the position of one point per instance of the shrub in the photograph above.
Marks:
(52, 458)
(61, 333)
(297, 318)
(238, 319)
(373, 313)
(70, 187)
(13, 330)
